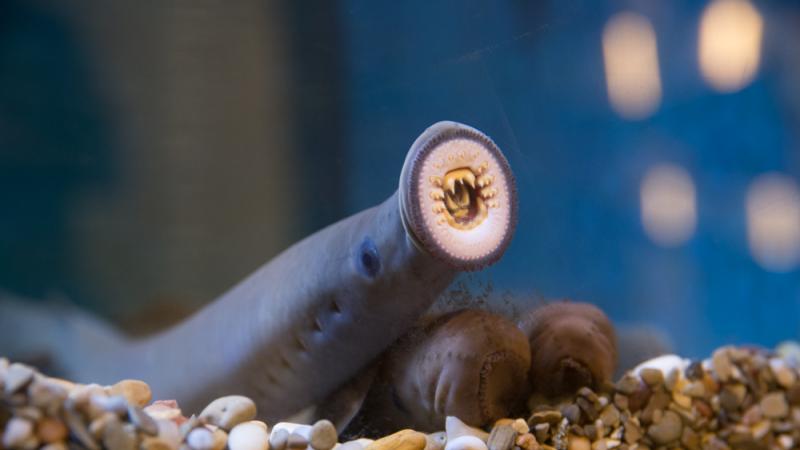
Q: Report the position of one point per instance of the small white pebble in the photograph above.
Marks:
(200, 439)
(520, 426)
(17, 431)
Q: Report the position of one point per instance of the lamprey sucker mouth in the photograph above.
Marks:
(458, 196)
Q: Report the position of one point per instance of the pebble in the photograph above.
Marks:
(200, 438)
(77, 428)
(250, 435)
(323, 435)
(465, 442)
(579, 443)
(774, 405)
(164, 409)
(667, 430)
(721, 364)
(278, 439)
(503, 437)
(784, 375)
(17, 377)
(119, 437)
(296, 441)
(142, 420)
(455, 428)
(169, 432)
(100, 403)
(17, 431)
(136, 392)
(401, 440)
(50, 430)
(227, 412)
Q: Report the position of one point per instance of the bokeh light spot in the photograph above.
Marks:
(631, 64)
(773, 222)
(730, 44)
(668, 205)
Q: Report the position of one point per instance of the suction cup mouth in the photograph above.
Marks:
(458, 197)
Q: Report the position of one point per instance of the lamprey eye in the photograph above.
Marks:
(458, 196)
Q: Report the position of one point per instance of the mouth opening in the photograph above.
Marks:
(458, 196)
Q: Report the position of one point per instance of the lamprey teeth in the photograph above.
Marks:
(437, 194)
(436, 181)
(482, 168)
(439, 208)
(485, 180)
(469, 178)
(450, 185)
(488, 192)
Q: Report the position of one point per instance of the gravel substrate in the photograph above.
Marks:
(740, 398)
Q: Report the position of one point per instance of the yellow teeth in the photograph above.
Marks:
(460, 195)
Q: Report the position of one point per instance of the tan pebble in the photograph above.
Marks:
(527, 442)
(784, 375)
(51, 430)
(323, 435)
(521, 426)
(17, 431)
(609, 416)
(682, 400)
(251, 435)
(721, 365)
(164, 409)
(401, 440)
(227, 412)
(502, 437)
(155, 443)
(652, 376)
(667, 429)
(599, 444)
(98, 425)
(578, 443)
(436, 441)
(119, 437)
(136, 392)
(465, 442)
(774, 405)
(169, 432)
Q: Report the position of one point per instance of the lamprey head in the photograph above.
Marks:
(458, 196)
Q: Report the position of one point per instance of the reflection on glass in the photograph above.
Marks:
(631, 64)
(730, 43)
(668, 203)
(773, 222)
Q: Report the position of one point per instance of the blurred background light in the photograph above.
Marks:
(773, 222)
(668, 205)
(631, 65)
(730, 44)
